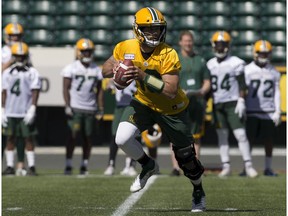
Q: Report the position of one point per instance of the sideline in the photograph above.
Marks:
(161, 151)
(125, 207)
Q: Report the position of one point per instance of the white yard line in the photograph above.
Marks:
(125, 207)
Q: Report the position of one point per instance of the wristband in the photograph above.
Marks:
(156, 84)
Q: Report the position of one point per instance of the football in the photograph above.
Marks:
(120, 81)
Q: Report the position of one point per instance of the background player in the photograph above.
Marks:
(228, 87)
(20, 90)
(83, 96)
(263, 100)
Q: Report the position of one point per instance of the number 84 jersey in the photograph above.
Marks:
(224, 82)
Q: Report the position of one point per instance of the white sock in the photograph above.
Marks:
(84, 163)
(9, 158)
(243, 143)
(223, 144)
(268, 162)
(30, 158)
(68, 162)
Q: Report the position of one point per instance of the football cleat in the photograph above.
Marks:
(9, 171)
(226, 171)
(68, 170)
(175, 172)
(147, 171)
(83, 170)
(251, 172)
(129, 171)
(32, 171)
(269, 172)
(21, 172)
(199, 201)
(109, 171)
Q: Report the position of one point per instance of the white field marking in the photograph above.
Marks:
(125, 207)
(161, 151)
(14, 209)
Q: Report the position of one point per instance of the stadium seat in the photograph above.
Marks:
(68, 37)
(163, 6)
(127, 7)
(216, 8)
(71, 7)
(99, 8)
(10, 18)
(100, 36)
(206, 52)
(42, 7)
(187, 8)
(70, 22)
(187, 22)
(14, 7)
(275, 37)
(206, 38)
(279, 54)
(243, 52)
(246, 23)
(102, 53)
(216, 23)
(123, 22)
(41, 22)
(273, 9)
(121, 35)
(39, 37)
(245, 8)
(98, 22)
(245, 37)
(273, 23)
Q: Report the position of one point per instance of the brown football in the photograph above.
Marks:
(119, 81)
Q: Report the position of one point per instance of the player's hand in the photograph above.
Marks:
(68, 111)
(240, 108)
(99, 114)
(4, 118)
(276, 118)
(30, 115)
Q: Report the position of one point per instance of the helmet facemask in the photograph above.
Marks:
(148, 38)
(220, 49)
(262, 58)
(86, 56)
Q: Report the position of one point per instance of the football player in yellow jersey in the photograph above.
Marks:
(158, 99)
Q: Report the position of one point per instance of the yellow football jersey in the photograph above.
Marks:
(163, 60)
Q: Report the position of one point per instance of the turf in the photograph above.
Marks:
(55, 194)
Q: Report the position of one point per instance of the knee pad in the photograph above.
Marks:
(188, 162)
(240, 135)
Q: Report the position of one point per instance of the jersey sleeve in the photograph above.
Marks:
(239, 67)
(170, 61)
(67, 72)
(35, 82)
(5, 80)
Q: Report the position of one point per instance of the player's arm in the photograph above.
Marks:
(4, 96)
(107, 69)
(35, 96)
(66, 88)
(100, 96)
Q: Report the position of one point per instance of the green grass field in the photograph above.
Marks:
(55, 194)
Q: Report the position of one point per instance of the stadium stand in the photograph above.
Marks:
(66, 20)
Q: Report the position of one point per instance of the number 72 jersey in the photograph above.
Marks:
(262, 84)
(224, 82)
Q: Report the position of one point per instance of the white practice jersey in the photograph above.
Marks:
(223, 78)
(6, 54)
(123, 97)
(263, 90)
(19, 86)
(84, 82)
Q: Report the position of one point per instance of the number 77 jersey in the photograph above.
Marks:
(224, 82)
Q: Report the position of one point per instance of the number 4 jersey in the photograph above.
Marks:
(263, 89)
(224, 84)
(19, 85)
